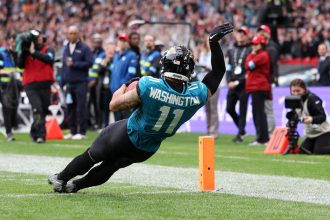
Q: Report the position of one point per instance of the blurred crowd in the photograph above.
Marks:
(99, 51)
(300, 24)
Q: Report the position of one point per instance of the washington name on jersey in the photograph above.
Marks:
(173, 99)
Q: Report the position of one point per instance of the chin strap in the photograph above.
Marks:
(176, 76)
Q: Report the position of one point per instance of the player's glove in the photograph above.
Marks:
(132, 80)
(219, 32)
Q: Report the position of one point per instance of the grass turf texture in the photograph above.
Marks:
(25, 196)
(182, 151)
(28, 197)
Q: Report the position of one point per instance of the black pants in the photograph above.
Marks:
(39, 100)
(104, 105)
(9, 98)
(259, 116)
(233, 96)
(318, 145)
(113, 149)
(77, 110)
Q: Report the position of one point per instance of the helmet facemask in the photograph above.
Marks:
(178, 63)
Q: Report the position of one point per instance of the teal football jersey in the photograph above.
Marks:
(163, 111)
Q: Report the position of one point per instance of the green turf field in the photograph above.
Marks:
(28, 196)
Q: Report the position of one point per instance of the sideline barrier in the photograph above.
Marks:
(198, 122)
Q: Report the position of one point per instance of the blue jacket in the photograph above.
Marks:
(82, 58)
(123, 68)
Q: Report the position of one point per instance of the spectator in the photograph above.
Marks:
(134, 44)
(257, 85)
(316, 122)
(150, 58)
(211, 107)
(323, 66)
(236, 73)
(77, 59)
(37, 59)
(9, 88)
(273, 51)
(101, 67)
(93, 101)
(123, 69)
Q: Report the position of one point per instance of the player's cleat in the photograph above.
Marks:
(219, 32)
(58, 185)
(70, 187)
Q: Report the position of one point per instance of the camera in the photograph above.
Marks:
(293, 103)
(24, 40)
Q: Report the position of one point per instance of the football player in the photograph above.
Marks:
(162, 106)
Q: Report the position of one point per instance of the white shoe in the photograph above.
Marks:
(68, 136)
(78, 137)
(256, 143)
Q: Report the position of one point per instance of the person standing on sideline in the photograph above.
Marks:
(94, 112)
(257, 85)
(37, 62)
(273, 51)
(150, 58)
(236, 73)
(77, 59)
(323, 66)
(102, 70)
(124, 68)
(211, 107)
(158, 115)
(9, 88)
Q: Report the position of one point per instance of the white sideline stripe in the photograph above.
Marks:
(243, 184)
(242, 158)
(33, 195)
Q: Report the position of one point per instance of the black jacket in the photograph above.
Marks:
(323, 69)
(315, 107)
(234, 55)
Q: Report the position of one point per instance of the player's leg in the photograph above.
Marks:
(119, 151)
(82, 163)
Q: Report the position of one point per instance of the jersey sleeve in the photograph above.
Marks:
(143, 87)
(204, 92)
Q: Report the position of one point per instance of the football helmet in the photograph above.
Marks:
(177, 63)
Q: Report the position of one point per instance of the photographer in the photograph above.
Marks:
(37, 60)
(316, 122)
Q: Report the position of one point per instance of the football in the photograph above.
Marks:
(131, 86)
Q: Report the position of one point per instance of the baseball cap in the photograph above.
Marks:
(244, 29)
(258, 39)
(265, 28)
(123, 36)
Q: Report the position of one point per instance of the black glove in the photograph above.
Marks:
(219, 32)
(132, 80)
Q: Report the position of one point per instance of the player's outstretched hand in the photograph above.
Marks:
(220, 31)
(132, 80)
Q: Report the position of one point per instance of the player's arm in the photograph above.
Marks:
(214, 77)
(124, 100)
